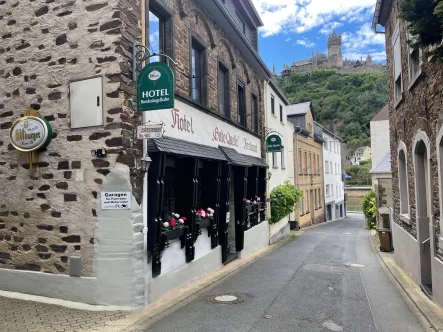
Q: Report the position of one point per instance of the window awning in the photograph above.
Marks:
(234, 157)
(184, 148)
(255, 161)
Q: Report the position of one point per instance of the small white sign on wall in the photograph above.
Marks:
(228, 216)
(118, 200)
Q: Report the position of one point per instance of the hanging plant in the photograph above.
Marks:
(204, 218)
(174, 222)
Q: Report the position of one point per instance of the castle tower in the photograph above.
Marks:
(335, 59)
(274, 74)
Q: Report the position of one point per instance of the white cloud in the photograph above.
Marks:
(305, 42)
(303, 15)
(328, 27)
(363, 42)
(288, 39)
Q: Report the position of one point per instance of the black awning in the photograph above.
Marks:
(184, 148)
(255, 161)
(234, 157)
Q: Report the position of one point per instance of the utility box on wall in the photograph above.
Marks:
(86, 103)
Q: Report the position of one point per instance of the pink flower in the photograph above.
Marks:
(248, 201)
(173, 223)
(206, 214)
(171, 220)
(165, 224)
(211, 214)
(184, 218)
(181, 221)
(258, 199)
(200, 211)
(210, 210)
(177, 215)
(254, 202)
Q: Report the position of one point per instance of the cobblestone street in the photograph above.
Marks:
(29, 316)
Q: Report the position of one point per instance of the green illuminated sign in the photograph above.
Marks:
(273, 144)
(155, 87)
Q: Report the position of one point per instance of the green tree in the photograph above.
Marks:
(350, 100)
(369, 206)
(425, 23)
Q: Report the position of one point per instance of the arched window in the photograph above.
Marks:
(403, 182)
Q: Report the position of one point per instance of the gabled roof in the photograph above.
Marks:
(384, 166)
(298, 109)
(381, 14)
(382, 115)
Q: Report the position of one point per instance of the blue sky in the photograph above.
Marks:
(294, 28)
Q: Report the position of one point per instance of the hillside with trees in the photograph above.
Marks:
(350, 100)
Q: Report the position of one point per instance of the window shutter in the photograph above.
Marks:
(397, 53)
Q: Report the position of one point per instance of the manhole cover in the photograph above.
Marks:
(226, 299)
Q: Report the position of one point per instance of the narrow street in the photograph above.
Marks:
(327, 279)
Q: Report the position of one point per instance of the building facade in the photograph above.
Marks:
(380, 144)
(59, 237)
(415, 121)
(363, 153)
(335, 205)
(281, 164)
(381, 172)
(308, 164)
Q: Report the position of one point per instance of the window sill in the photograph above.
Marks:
(302, 215)
(275, 116)
(405, 218)
(398, 102)
(275, 167)
(308, 212)
(413, 81)
(283, 167)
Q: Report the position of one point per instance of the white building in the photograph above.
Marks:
(281, 164)
(334, 187)
(363, 153)
(380, 143)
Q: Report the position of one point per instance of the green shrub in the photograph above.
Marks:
(369, 206)
(283, 199)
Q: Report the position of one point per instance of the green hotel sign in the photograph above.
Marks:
(155, 87)
(273, 144)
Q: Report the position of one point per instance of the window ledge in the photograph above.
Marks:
(283, 167)
(398, 102)
(405, 218)
(302, 215)
(413, 81)
(308, 212)
(275, 167)
(275, 116)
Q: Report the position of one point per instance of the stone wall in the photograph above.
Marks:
(49, 215)
(191, 17)
(420, 110)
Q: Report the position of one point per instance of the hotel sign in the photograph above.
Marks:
(30, 133)
(155, 87)
(273, 144)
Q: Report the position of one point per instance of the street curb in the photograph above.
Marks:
(425, 318)
(176, 300)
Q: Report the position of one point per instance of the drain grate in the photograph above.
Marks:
(226, 299)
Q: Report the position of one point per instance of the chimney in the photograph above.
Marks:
(331, 126)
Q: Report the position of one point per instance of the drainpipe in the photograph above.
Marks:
(265, 106)
(297, 131)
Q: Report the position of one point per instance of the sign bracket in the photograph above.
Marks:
(140, 54)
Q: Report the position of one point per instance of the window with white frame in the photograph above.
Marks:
(302, 205)
(326, 167)
(414, 59)
(403, 182)
(274, 159)
(398, 79)
(283, 162)
(327, 190)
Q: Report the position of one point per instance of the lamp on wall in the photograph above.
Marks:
(142, 165)
(269, 176)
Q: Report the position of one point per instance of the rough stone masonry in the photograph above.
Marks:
(49, 215)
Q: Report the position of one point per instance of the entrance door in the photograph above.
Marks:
(341, 210)
(329, 212)
(225, 210)
(422, 171)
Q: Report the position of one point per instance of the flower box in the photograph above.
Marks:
(173, 234)
(204, 223)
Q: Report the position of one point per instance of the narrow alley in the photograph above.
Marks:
(327, 279)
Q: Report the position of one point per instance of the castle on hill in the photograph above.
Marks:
(333, 60)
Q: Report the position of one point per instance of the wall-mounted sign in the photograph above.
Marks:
(30, 133)
(116, 200)
(155, 87)
(273, 144)
(150, 131)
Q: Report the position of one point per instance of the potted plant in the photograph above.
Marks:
(174, 227)
(204, 218)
